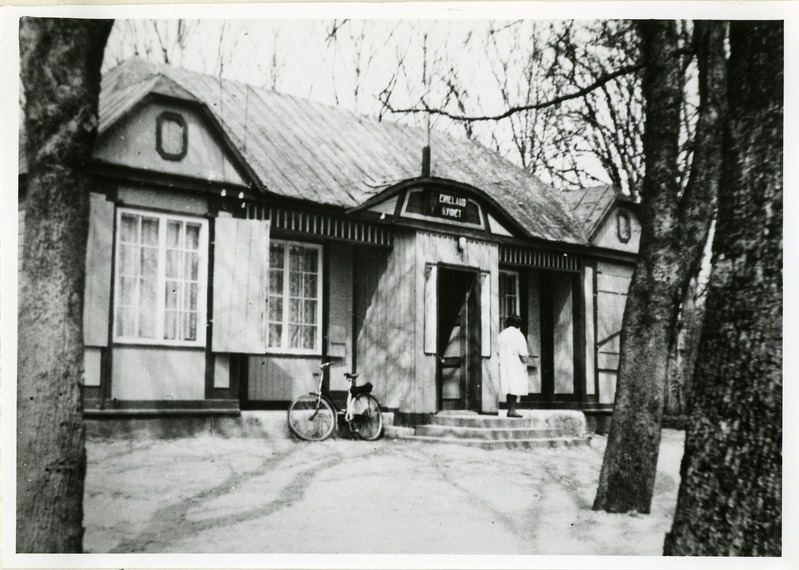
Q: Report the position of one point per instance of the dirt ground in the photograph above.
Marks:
(387, 497)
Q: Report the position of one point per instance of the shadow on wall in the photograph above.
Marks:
(385, 321)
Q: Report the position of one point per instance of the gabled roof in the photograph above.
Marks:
(590, 206)
(308, 151)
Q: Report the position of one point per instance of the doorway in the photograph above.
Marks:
(458, 351)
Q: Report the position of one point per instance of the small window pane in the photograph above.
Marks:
(129, 229)
(275, 334)
(276, 253)
(170, 325)
(295, 339)
(173, 259)
(295, 259)
(172, 290)
(310, 313)
(147, 300)
(295, 281)
(276, 309)
(309, 337)
(190, 326)
(191, 297)
(149, 258)
(126, 322)
(295, 306)
(310, 259)
(310, 287)
(127, 291)
(275, 281)
(193, 237)
(192, 262)
(128, 259)
(149, 231)
(173, 234)
(147, 324)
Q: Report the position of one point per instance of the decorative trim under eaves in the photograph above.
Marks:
(525, 257)
(322, 225)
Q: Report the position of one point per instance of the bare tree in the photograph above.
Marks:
(159, 40)
(730, 499)
(61, 76)
(674, 229)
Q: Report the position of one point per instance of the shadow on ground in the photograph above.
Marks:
(387, 497)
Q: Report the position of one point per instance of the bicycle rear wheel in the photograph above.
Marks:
(367, 419)
(311, 418)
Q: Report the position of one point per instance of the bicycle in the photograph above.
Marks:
(314, 416)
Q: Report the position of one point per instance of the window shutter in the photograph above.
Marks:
(241, 265)
(485, 314)
(99, 257)
(430, 308)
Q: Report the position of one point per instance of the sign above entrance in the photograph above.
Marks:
(445, 205)
(442, 206)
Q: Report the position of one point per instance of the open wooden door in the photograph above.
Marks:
(459, 336)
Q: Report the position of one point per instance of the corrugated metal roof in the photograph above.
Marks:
(314, 152)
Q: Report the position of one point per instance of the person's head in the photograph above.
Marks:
(513, 321)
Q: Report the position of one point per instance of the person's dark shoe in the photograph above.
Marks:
(514, 415)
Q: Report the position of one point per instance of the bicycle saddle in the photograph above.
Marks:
(351, 376)
(365, 389)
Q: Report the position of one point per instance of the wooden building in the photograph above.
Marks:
(238, 237)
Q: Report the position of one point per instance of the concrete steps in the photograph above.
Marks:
(538, 428)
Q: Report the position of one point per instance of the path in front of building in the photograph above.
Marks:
(387, 497)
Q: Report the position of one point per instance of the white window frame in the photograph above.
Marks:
(284, 348)
(202, 282)
(516, 309)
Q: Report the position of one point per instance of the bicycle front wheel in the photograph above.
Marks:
(311, 418)
(367, 419)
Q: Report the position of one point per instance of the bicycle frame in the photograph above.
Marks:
(321, 392)
(362, 411)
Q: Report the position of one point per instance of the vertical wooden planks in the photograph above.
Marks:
(485, 314)
(430, 308)
(534, 330)
(590, 333)
(563, 315)
(339, 312)
(241, 262)
(99, 257)
(613, 280)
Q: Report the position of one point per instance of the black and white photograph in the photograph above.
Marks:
(395, 285)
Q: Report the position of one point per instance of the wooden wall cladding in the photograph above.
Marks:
(99, 261)
(613, 281)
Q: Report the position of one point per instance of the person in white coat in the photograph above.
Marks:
(512, 350)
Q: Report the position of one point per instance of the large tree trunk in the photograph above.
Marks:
(61, 77)
(730, 498)
(674, 228)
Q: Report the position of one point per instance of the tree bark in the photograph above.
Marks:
(674, 229)
(730, 496)
(61, 76)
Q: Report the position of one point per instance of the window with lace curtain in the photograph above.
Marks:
(161, 272)
(508, 296)
(294, 304)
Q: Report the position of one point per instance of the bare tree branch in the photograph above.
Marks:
(520, 108)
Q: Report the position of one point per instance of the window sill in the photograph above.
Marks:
(288, 352)
(157, 343)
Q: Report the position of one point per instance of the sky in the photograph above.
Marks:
(352, 63)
